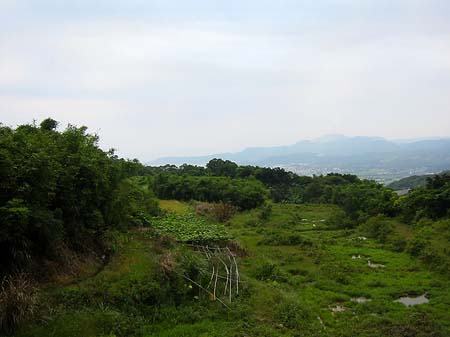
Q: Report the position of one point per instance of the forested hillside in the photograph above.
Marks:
(95, 245)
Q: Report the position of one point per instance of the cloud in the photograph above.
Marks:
(170, 77)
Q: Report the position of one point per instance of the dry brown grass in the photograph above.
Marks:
(18, 301)
(220, 212)
(167, 263)
(236, 249)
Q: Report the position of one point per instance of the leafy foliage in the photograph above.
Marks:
(245, 194)
(378, 227)
(61, 188)
(320, 285)
(189, 228)
(225, 181)
(431, 201)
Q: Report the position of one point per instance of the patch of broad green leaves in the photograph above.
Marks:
(189, 228)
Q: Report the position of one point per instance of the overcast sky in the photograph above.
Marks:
(188, 77)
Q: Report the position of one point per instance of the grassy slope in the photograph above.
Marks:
(289, 287)
(325, 275)
(73, 312)
(174, 206)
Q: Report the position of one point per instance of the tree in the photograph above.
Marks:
(60, 189)
(220, 167)
(49, 124)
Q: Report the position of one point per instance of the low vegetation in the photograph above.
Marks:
(226, 250)
(189, 228)
(60, 190)
(18, 301)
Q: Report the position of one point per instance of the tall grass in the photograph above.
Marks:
(18, 301)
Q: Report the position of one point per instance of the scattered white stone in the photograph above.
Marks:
(361, 299)
(375, 265)
(338, 308)
(320, 320)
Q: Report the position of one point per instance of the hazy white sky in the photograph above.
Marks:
(187, 77)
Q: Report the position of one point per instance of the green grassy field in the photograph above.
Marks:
(299, 278)
(174, 206)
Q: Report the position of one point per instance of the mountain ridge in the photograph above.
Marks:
(369, 157)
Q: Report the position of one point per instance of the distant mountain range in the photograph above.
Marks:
(368, 157)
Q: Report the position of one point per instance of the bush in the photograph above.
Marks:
(17, 301)
(340, 220)
(417, 244)
(377, 227)
(293, 315)
(396, 243)
(270, 272)
(203, 208)
(221, 212)
(265, 212)
(244, 194)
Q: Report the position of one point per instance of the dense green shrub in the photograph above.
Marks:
(298, 316)
(340, 220)
(265, 211)
(60, 188)
(431, 201)
(377, 227)
(219, 180)
(242, 193)
(270, 272)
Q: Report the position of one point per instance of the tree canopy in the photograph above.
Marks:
(60, 188)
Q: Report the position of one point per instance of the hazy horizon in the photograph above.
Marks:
(186, 78)
(394, 140)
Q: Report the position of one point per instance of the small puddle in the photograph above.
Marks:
(361, 299)
(409, 301)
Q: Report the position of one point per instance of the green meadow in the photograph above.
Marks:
(298, 276)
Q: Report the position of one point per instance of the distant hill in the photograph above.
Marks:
(409, 182)
(369, 157)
